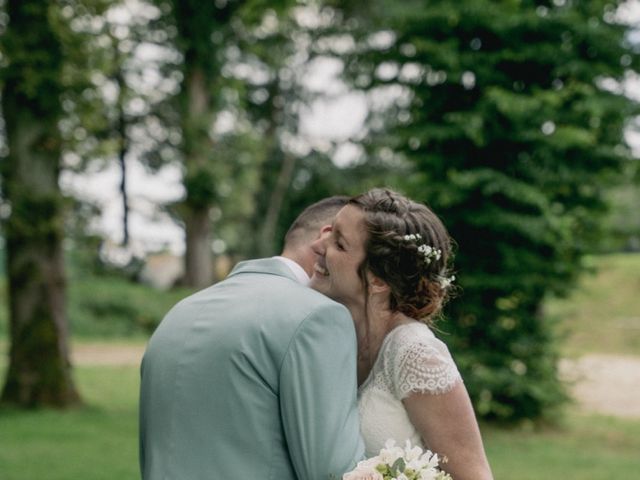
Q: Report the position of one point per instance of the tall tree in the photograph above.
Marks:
(513, 115)
(39, 370)
(206, 36)
(119, 109)
(280, 74)
(274, 61)
(197, 24)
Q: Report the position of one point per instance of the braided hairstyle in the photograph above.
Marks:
(418, 285)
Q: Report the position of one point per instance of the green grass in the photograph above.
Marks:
(586, 447)
(95, 442)
(602, 315)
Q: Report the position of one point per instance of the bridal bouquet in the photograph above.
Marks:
(395, 463)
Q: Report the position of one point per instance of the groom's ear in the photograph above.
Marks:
(325, 229)
(376, 284)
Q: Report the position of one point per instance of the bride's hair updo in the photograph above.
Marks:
(407, 247)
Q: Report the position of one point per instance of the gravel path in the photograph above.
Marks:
(93, 354)
(605, 384)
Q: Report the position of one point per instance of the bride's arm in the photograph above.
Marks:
(448, 427)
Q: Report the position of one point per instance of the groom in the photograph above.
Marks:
(254, 377)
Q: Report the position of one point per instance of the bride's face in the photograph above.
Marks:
(340, 251)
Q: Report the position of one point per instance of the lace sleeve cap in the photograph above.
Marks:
(420, 363)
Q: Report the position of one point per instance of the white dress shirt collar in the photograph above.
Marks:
(297, 270)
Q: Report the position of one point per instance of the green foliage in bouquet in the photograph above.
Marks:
(399, 468)
(513, 114)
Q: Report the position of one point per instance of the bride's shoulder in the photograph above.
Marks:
(417, 361)
(415, 342)
(411, 333)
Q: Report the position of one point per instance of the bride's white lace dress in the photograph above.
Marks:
(411, 359)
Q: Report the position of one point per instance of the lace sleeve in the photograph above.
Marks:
(420, 363)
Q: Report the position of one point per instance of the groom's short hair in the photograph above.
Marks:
(313, 218)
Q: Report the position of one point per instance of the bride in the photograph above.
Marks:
(386, 259)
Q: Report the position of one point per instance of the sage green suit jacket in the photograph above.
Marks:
(252, 378)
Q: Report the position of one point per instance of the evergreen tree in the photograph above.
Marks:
(513, 115)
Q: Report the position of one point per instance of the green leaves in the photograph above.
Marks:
(398, 467)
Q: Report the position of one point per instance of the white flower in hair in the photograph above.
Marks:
(427, 251)
(445, 282)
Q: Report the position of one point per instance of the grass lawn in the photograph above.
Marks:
(99, 441)
(95, 442)
(586, 447)
(602, 315)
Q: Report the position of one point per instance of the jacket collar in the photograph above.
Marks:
(269, 266)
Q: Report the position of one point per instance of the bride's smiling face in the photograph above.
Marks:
(340, 252)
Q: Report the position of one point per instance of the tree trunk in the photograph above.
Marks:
(122, 158)
(267, 245)
(39, 371)
(276, 172)
(198, 180)
(198, 262)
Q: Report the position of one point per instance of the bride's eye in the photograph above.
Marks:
(339, 246)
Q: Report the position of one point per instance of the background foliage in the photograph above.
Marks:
(508, 118)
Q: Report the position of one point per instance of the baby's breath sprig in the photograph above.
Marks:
(445, 282)
(428, 252)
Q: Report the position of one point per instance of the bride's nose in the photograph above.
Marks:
(318, 245)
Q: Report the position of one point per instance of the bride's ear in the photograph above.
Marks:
(377, 285)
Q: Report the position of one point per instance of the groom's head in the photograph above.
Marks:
(306, 228)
